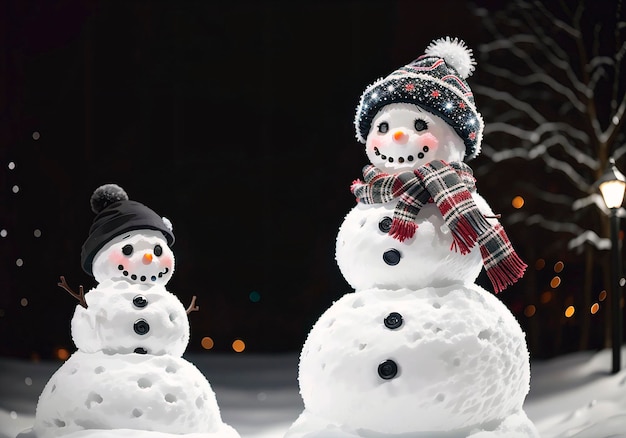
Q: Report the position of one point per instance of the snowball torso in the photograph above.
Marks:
(368, 257)
(461, 361)
(131, 391)
(122, 317)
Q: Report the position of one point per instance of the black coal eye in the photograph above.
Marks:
(158, 250)
(420, 125)
(127, 250)
(383, 127)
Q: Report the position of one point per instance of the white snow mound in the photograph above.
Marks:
(98, 393)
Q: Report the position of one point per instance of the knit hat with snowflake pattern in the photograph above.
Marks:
(435, 82)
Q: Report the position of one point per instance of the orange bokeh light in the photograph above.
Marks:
(517, 202)
(207, 343)
(239, 345)
(62, 353)
(540, 264)
(545, 297)
(530, 310)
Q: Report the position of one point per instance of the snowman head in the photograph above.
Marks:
(130, 235)
(137, 256)
(403, 137)
(435, 83)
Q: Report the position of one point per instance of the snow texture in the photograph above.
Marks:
(130, 391)
(108, 323)
(570, 396)
(361, 244)
(461, 357)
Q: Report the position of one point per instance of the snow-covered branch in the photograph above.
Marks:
(619, 152)
(561, 105)
(556, 164)
(557, 22)
(594, 199)
(590, 237)
(513, 101)
(538, 78)
(546, 223)
(616, 122)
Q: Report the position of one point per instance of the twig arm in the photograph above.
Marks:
(79, 296)
(192, 307)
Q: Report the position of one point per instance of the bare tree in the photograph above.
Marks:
(551, 87)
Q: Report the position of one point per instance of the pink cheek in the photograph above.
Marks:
(117, 259)
(376, 143)
(166, 261)
(428, 140)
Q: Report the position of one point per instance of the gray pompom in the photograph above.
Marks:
(106, 195)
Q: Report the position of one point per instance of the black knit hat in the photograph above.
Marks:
(435, 82)
(115, 215)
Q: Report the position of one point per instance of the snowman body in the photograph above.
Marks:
(128, 372)
(445, 359)
(417, 350)
(125, 318)
(158, 393)
(368, 257)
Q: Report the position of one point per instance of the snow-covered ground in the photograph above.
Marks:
(570, 396)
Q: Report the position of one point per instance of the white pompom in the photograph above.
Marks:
(456, 54)
(168, 223)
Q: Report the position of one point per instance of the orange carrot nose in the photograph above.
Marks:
(398, 135)
(147, 258)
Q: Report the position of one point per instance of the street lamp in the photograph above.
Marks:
(612, 185)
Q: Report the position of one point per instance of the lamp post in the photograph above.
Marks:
(612, 185)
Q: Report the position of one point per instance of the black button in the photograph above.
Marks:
(392, 257)
(140, 350)
(141, 327)
(140, 301)
(388, 369)
(385, 224)
(393, 320)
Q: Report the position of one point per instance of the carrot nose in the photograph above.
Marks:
(147, 258)
(398, 135)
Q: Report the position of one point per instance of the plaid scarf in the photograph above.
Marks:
(449, 186)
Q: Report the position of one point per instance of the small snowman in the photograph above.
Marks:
(128, 374)
(418, 350)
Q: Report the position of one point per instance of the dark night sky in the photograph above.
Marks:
(233, 119)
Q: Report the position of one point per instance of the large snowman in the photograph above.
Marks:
(128, 377)
(418, 350)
